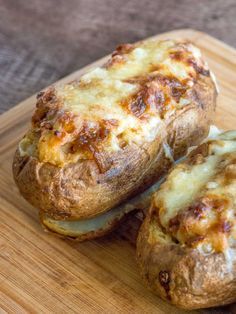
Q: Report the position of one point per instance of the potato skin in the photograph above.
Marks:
(79, 190)
(183, 276)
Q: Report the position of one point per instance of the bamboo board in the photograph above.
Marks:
(40, 273)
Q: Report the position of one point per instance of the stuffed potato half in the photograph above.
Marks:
(102, 139)
(186, 247)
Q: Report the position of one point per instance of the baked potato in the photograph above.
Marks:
(111, 134)
(186, 247)
(85, 229)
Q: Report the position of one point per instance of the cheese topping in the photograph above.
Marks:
(196, 205)
(119, 104)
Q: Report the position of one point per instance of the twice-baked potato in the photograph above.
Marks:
(186, 247)
(100, 140)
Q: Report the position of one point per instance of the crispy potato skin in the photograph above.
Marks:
(182, 275)
(79, 190)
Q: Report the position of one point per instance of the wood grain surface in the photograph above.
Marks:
(40, 273)
(42, 41)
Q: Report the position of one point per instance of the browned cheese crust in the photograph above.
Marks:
(103, 179)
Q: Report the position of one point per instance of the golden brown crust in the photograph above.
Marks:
(81, 190)
(116, 105)
(184, 276)
(206, 215)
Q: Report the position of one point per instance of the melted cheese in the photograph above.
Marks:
(102, 90)
(106, 93)
(214, 182)
(183, 179)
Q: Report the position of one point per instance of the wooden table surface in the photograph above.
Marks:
(42, 41)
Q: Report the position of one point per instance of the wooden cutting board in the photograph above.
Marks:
(40, 273)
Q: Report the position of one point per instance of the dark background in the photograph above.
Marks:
(44, 40)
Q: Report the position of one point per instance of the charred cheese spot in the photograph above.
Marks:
(139, 86)
(196, 205)
(182, 56)
(198, 69)
(158, 95)
(138, 106)
(47, 107)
